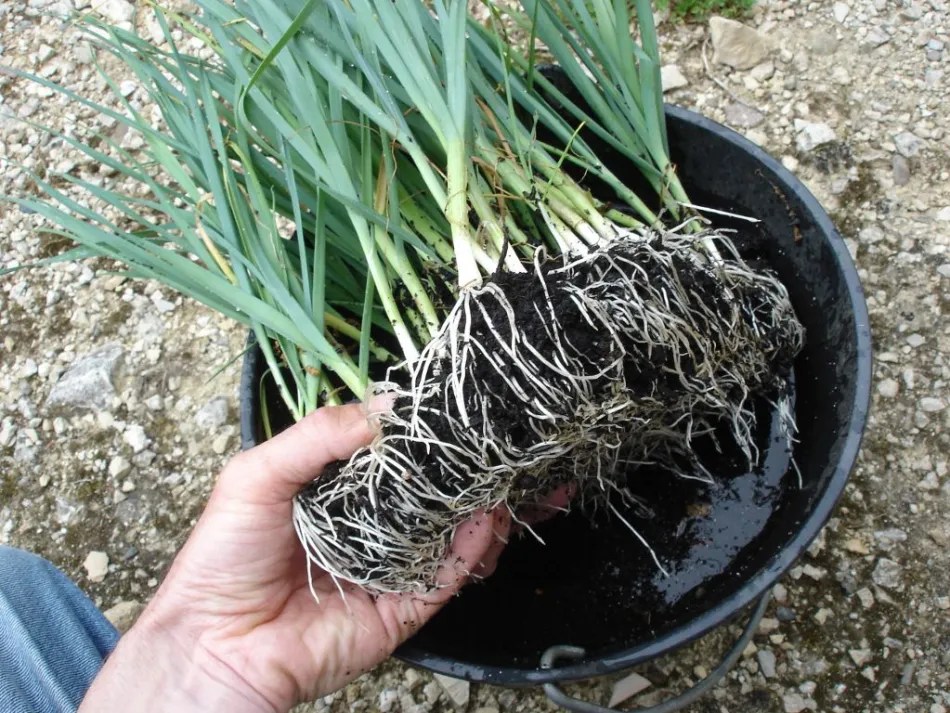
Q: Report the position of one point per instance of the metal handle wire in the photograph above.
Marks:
(691, 695)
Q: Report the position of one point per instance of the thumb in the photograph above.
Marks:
(276, 470)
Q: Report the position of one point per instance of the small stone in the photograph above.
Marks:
(127, 88)
(213, 414)
(161, 304)
(413, 679)
(135, 436)
(860, 656)
(119, 466)
(940, 535)
(944, 270)
(908, 144)
(766, 662)
(154, 403)
(812, 135)
(856, 546)
(888, 388)
(143, 459)
(29, 369)
(45, 53)
(8, 433)
(785, 614)
(486, 709)
(889, 539)
(887, 574)
(124, 614)
(929, 404)
(900, 170)
(870, 234)
(87, 383)
(840, 11)
(944, 214)
(822, 43)
(821, 616)
(220, 444)
(916, 340)
(929, 482)
(672, 77)
(875, 38)
(737, 45)
(96, 565)
(432, 690)
(866, 597)
(388, 700)
(84, 54)
(812, 572)
(768, 624)
(128, 486)
(742, 115)
(627, 687)
(117, 11)
(25, 451)
(762, 72)
(458, 690)
(911, 12)
(794, 703)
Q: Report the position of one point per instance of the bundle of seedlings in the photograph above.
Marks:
(383, 188)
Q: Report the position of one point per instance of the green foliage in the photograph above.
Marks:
(322, 170)
(700, 10)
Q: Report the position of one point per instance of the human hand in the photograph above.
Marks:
(234, 625)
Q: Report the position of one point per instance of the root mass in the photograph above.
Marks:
(634, 350)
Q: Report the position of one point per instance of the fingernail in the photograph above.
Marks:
(377, 405)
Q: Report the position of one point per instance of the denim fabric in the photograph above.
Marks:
(52, 639)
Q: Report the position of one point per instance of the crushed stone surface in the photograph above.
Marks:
(851, 97)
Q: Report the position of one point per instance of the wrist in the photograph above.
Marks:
(158, 667)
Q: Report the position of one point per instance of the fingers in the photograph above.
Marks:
(556, 501)
(275, 471)
(489, 562)
(476, 546)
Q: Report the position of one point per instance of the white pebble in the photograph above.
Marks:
(96, 565)
(119, 466)
(931, 404)
(888, 388)
(135, 436)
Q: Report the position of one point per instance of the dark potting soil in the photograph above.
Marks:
(593, 584)
(657, 378)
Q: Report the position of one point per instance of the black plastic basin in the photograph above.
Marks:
(593, 585)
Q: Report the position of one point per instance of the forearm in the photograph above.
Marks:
(153, 671)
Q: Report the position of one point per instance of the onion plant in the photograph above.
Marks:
(392, 195)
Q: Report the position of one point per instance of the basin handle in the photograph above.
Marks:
(691, 695)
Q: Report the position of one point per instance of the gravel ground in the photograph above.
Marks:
(118, 399)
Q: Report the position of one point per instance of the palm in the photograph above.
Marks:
(243, 576)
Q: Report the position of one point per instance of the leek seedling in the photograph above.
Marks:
(418, 156)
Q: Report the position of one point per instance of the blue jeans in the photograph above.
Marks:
(52, 638)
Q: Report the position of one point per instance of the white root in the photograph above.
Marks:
(502, 406)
